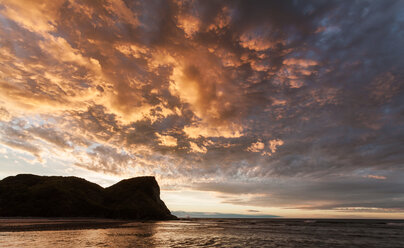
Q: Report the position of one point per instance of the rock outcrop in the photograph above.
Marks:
(28, 195)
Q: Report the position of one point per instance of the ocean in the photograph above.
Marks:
(217, 233)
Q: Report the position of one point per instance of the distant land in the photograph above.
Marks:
(27, 195)
(184, 214)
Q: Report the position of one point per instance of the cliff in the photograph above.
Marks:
(27, 195)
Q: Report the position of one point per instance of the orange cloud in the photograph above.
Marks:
(167, 140)
(206, 130)
(273, 144)
(189, 24)
(300, 62)
(375, 177)
(256, 42)
(256, 147)
(184, 89)
(196, 148)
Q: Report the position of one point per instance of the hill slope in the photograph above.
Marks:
(42, 196)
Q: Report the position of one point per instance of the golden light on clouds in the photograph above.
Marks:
(275, 100)
(196, 148)
(167, 140)
(274, 144)
(256, 147)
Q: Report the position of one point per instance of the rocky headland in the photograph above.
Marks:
(27, 195)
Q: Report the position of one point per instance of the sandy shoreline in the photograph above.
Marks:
(46, 224)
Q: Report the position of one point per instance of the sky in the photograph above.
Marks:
(286, 108)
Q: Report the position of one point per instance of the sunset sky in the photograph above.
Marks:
(288, 108)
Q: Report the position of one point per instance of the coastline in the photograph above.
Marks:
(22, 224)
(84, 232)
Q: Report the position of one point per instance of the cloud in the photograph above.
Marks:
(246, 93)
(347, 194)
(273, 144)
(376, 177)
(253, 211)
(196, 148)
(256, 147)
(183, 214)
(167, 140)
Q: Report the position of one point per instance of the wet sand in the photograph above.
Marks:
(243, 233)
(44, 224)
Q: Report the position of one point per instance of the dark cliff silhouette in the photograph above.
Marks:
(28, 195)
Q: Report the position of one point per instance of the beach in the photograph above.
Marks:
(42, 224)
(201, 233)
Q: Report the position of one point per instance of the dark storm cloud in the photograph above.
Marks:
(245, 92)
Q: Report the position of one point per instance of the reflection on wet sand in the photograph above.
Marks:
(40, 224)
(220, 233)
(137, 234)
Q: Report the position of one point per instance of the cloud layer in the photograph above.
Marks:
(287, 103)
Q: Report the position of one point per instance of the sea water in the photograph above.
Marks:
(221, 233)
